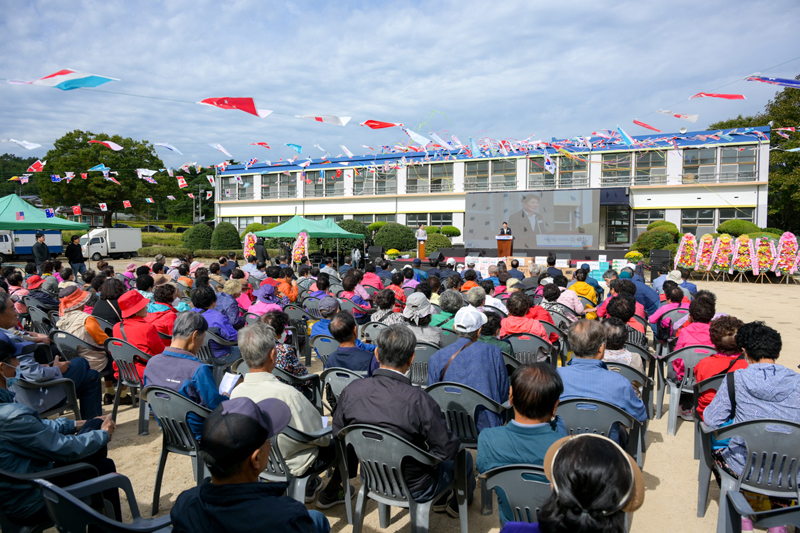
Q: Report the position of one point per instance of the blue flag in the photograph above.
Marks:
(49, 213)
(55, 178)
(296, 147)
(101, 167)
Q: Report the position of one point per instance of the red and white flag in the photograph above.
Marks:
(36, 167)
(648, 126)
(76, 210)
(108, 144)
(84, 175)
(103, 207)
(377, 124)
(265, 145)
(348, 152)
(69, 176)
(126, 204)
(718, 95)
(149, 200)
(327, 119)
(191, 196)
(208, 194)
(247, 105)
(210, 179)
(182, 182)
(690, 118)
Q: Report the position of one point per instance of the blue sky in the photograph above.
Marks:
(469, 68)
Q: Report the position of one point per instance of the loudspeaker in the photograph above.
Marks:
(375, 252)
(474, 253)
(658, 258)
(439, 256)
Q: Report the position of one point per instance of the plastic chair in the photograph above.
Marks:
(561, 320)
(107, 326)
(324, 345)
(312, 306)
(164, 337)
(586, 415)
(408, 291)
(511, 363)
(450, 336)
(251, 318)
(525, 496)
(350, 306)
(72, 515)
(738, 507)
(69, 388)
(371, 330)
(587, 302)
(641, 383)
(370, 290)
(68, 344)
(771, 468)
(649, 361)
(641, 321)
(172, 411)
(526, 348)
(381, 455)
(698, 389)
(313, 379)
(124, 354)
(53, 316)
(206, 355)
(40, 320)
(562, 338)
(419, 368)
(691, 355)
(214, 284)
(334, 380)
(335, 288)
(492, 309)
(435, 309)
(299, 320)
(30, 301)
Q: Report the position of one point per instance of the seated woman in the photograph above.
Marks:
(134, 329)
(213, 273)
(581, 288)
(729, 356)
(87, 277)
(470, 277)
(616, 352)
(226, 303)
(551, 293)
(349, 284)
(130, 271)
(245, 298)
(568, 298)
(490, 333)
(107, 307)
(161, 312)
(396, 287)
(144, 285)
(204, 299)
(17, 292)
(50, 285)
(701, 313)
(502, 280)
(285, 356)
(517, 321)
(384, 299)
(675, 300)
(417, 315)
(450, 302)
(266, 301)
(764, 389)
(436, 286)
(94, 289)
(183, 276)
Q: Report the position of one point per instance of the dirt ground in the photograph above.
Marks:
(670, 471)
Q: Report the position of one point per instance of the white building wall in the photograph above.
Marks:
(673, 215)
(348, 175)
(674, 167)
(459, 171)
(595, 170)
(522, 174)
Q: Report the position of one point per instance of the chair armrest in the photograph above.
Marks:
(303, 437)
(106, 482)
(740, 503)
(46, 383)
(60, 471)
(506, 405)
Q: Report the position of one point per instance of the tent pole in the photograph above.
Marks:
(337, 253)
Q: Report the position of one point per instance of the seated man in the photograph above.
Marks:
(586, 376)
(685, 283)
(488, 289)
(729, 356)
(515, 272)
(492, 277)
(29, 444)
(204, 300)
(390, 401)
(420, 274)
(179, 369)
(235, 447)
(535, 390)
(471, 266)
(623, 306)
(251, 266)
(260, 354)
(616, 352)
(344, 329)
(87, 381)
(471, 363)
(384, 272)
(328, 308)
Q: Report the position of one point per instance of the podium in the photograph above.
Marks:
(505, 245)
(421, 249)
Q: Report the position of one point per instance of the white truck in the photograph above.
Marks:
(18, 244)
(116, 243)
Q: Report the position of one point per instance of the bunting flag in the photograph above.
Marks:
(304, 164)
(24, 179)
(103, 207)
(112, 180)
(145, 172)
(168, 147)
(417, 138)
(20, 215)
(198, 168)
(648, 126)
(23, 144)
(149, 200)
(296, 147)
(76, 210)
(108, 144)
(182, 182)
(368, 147)
(321, 149)
(84, 175)
(222, 166)
(338, 173)
(220, 148)
(190, 195)
(690, 118)
(627, 139)
(251, 162)
(68, 176)
(208, 194)
(327, 119)
(718, 95)
(210, 179)
(49, 213)
(101, 167)
(438, 140)
(377, 124)
(171, 172)
(348, 152)
(67, 79)
(795, 84)
(38, 166)
(265, 145)
(55, 178)
(126, 204)
(170, 197)
(247, 105)
(14, 178)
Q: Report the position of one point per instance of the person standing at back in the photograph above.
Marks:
(41, 252)
(74, 255)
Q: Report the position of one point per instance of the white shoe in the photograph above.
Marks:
(685, 414)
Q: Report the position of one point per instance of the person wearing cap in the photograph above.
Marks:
(328, 307)
(87, 381)
(29, 444)
(134, 329)
(194, 266)
(418, 314)
(471, 268)
(586, 376)
(173, 272)
(420, 274)
(449, 268)
(389, 400)
(178, 368)
(472, 363)
(344, 329)
(235, 447)
(433, 271)
(534, 428)
(266, 300)
(204, 300)
(130, 271)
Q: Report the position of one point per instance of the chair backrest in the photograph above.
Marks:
(172, 411)
(511, 363)
(409, 291)
(550, 328)
(435, 309)
(205, 353)
(586, 301)
(526, 348)
(41, 322)
(251, 318)
(691, 355)
(324, 345)
(641, 321)
(214, 284)
(334, 380)
(382, 455)
(371, 330)
(107, 326)
(673, 315)
(164, 337)
(645, 355)
(561, 320)
(68, 344)
(459, 404)
(419, 368)
(349, 305)
(450, 336)
(30, 301)
(638, 380)
(585, 415)
(335, 289)
(53, 316)
(493, 309)
(312, 306)
(72, 515)
(525, 486)
(537, 298)
(700, 387)
(124, 355)
(240, 367)
(276, 470)
(370, 290)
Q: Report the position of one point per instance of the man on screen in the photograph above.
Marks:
(530, 220)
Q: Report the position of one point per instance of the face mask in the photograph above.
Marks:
(11, 381)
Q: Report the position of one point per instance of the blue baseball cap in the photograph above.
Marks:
(10, 348)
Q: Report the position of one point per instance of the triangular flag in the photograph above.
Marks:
(208, 194)
(296, 147)
(327, 119)
(210, 179)
(149, 200)
(108, 144)
(265, 145)
(220, 148)
(648, 126)
(84, 175)
(37, 166)
(247, 105)
(170, 197)
(377, 124)
(182, 182)
(190, 195)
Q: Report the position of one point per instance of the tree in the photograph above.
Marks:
(13, 165)
(225, 236)
(352, 226)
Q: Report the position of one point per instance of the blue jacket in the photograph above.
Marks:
(692, 288)
(646, 296)
(227, 305)
(479, 278)
(182, 372)
(29, 444)
(323, 328)
(421, 274)
(355, 359)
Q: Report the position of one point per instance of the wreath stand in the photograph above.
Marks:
(761, 278)
(785, 277)
(741, 276)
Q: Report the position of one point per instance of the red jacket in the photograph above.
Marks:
(162, 320)
(373, 280)
(522, 324)
(711, 366)
(140, 333)
(541, 314)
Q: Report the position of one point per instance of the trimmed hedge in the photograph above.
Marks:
(436, 241)
(737, 227)
(254, 227)
(757, 234)
(773, 230)
(658, 223)
(199, 238)
(450, 231)
(167, 251)
(394, 235)
(431, 230)
(225, 235)
(655, 239)
(663, 225)
(375, 226)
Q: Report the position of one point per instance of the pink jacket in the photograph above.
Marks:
(372, 280)
(521, 324)
(693, 334)
(571, 300)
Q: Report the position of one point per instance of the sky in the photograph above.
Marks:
(507, 70)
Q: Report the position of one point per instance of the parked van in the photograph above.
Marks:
(116, 243)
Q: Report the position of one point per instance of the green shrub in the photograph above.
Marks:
(167, 251)
(655, 239)
(737, 227)
(659, 223)
(451, 231)
(757, 234)
(352, 226)
(436, 241)
(216, 254)
(199, 238)
(186, 234)
(252, 228)
(161, 239)
(375, 226)
(430, 230)
(663, 225)
(773, 230)
(224, 236)
(673, 250)
(394, 235)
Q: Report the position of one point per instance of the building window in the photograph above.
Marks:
(98, 220)
(692, 218)
(374, 180)
(651, 168)
(616, 170)
(319, 186)
(572, 173)
(385, 218)
(476, 176)
(644, 217)
(736, 213)
(699, 165)
(504, 175)
(441, 219)
(429, 178)
(413, 220)
(618, 224)
(364, 219)
(737, 164)
(238, 191)
(278, 185)
(538, 176)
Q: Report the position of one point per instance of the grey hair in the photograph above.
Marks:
(535, 270)
(476, 296)
(586, 337)
(492, 270)
(256, 342)
(396, 345)
(451, 301)
(159, 258)
(187, 323)
(610, 274)
(4, 299)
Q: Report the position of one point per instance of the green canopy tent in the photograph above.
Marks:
(316, 229)
(17, 214)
